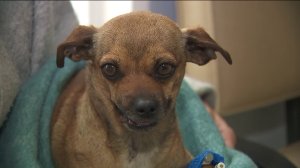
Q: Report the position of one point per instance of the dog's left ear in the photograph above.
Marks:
(77, 46)
(200, 48)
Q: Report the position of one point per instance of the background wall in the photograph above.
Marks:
(263, 39)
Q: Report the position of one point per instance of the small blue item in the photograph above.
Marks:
(207, 157)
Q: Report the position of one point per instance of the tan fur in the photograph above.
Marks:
(88, 125)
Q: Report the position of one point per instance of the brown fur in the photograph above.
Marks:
(90, 124)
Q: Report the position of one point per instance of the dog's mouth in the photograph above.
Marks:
(136, 123)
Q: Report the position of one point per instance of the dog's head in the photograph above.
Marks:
(137, 62)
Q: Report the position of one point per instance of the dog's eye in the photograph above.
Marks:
(165, 70)
(110, 70)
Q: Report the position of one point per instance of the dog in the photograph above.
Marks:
(119, 111)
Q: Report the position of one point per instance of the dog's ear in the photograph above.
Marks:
(200, 48)
(77, 46)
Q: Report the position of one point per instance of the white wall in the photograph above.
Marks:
(98, 12)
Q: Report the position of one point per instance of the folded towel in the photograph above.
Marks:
(24, 138)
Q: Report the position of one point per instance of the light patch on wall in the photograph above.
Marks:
(98, 12)
(115, 8)
(81, 9)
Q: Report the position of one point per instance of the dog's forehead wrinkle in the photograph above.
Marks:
(138, 31)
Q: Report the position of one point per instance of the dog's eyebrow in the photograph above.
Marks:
(165, 58)
(110, 58)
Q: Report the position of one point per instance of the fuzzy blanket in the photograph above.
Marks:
(24, 138)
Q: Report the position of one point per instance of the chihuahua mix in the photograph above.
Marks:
(119, 111)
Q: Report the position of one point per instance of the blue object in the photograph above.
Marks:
(199, 160)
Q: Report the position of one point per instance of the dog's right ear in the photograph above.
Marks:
(77, 46)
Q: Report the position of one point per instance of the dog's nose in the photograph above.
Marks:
(145, 107)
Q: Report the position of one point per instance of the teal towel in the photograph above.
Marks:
(24, 138)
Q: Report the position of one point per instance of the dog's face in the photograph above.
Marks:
(137, 64)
